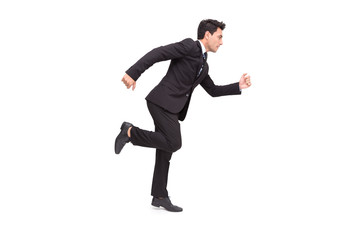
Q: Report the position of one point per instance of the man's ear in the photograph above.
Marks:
(207, 35)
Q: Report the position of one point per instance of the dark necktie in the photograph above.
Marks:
(202, 66)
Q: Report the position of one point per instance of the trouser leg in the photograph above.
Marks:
(161, 172)
(166, 139)
(167, 136)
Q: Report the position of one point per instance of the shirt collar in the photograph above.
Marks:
(202, 47)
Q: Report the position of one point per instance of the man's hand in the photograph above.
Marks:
(128, 81)
(244, 81)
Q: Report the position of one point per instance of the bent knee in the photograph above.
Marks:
(174, 146)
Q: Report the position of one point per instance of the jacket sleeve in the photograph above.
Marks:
(217, 91)
(163, 53)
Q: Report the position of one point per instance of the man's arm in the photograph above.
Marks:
(230, 89)
(163, 53)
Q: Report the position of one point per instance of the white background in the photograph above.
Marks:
(281, 161)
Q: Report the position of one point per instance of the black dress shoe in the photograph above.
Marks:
(122, 138)
(165, 203)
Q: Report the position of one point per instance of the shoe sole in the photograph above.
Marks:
(119, 144)
(159, 205)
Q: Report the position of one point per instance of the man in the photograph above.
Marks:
(168, 102)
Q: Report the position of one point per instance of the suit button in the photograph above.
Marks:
(187, 95)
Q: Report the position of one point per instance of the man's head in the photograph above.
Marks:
(210, 34)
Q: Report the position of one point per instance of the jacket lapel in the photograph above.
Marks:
(202, 75)
(205, 69)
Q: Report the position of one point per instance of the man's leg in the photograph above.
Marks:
(167, 136)
(159, 184)
(161, 172)
(166, 139)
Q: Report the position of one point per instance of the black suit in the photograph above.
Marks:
(168, 102)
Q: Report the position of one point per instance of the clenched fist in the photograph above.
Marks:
(244, 81)
(128, 81)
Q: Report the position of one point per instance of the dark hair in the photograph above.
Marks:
(210, 25)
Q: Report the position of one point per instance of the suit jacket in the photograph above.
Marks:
(174, 91)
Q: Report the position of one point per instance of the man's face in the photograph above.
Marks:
(215, 40)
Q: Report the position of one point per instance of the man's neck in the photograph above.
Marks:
(203, 48)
